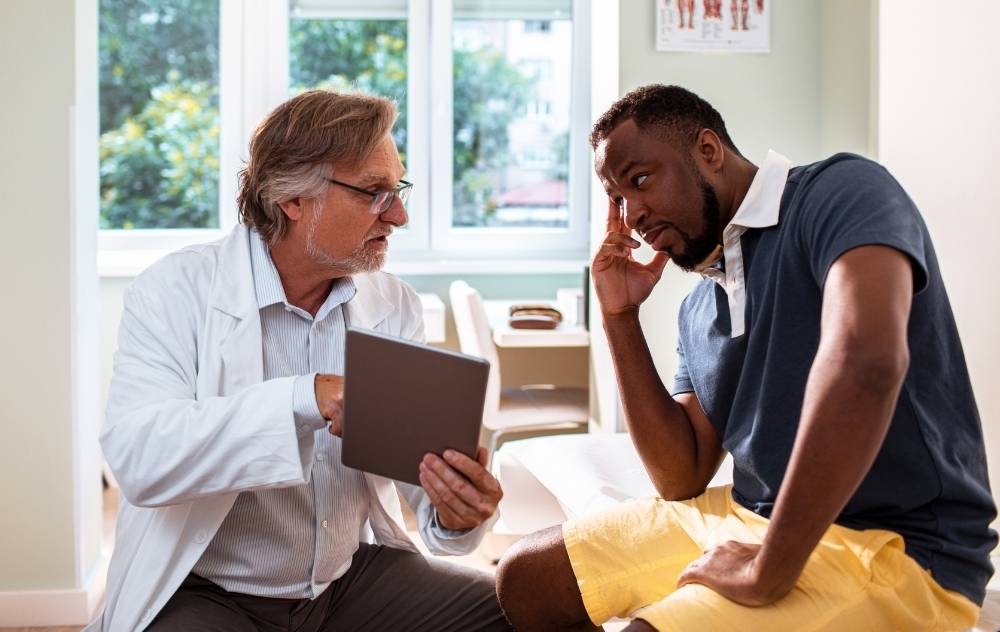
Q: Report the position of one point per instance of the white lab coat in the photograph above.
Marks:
(191, 421)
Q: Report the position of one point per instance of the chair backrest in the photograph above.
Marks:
(475, 338)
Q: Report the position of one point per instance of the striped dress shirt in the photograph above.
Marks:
(292, 542)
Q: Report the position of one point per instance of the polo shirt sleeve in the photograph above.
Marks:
(854, 203)
(682, 378)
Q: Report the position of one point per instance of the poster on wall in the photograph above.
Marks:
(741, 26)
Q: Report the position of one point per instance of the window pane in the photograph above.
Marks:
(351, 54)
(159, 108)
(511, 121)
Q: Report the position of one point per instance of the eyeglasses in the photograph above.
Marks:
(382, 198)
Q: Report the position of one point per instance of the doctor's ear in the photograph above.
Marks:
(292, 208)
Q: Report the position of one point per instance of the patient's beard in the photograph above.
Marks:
(365, 258)
(699, 248)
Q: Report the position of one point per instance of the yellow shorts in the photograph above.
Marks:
(627, 561)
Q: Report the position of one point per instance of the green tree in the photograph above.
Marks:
(364, 55)
(160, 168)
(488, 94)
(141, 41)
(159, 145)
(160, 114)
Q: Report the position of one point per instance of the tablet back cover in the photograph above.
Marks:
(403, 399)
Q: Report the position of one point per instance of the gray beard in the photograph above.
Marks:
(363, 260)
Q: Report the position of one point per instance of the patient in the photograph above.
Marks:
(237, 512)
(820, 351)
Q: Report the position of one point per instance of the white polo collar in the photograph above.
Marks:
(759, 209)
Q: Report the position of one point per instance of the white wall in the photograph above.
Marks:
(50, 534)
(939, 129)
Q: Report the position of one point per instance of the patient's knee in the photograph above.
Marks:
(536, 568)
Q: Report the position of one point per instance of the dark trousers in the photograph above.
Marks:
(384, 590)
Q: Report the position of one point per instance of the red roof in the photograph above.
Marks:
(551, 193)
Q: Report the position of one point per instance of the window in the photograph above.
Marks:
(498, 152)
(347, 54)
(159, 111)
(504, 67)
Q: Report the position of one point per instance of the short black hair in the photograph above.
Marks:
(679, 112)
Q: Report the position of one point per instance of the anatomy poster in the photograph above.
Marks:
(742, 26)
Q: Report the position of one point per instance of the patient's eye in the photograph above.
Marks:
(639, 179)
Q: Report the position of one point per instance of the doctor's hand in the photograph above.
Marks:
(330, 399)
(463, 492)
(621, 282)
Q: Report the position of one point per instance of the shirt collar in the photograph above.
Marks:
(762, 202)
(267, 281)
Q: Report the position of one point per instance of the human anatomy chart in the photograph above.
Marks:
(713, 25)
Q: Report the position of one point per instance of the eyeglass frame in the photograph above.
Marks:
(402, 191)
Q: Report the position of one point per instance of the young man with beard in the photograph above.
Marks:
(237, 513)
(820, 351)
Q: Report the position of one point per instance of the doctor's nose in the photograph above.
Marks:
(396, 213)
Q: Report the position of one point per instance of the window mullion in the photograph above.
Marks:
(418, 106)
(441, 121)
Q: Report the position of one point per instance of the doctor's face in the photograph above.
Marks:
(662, 194)
(343, 230)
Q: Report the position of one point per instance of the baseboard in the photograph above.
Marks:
(41, 608)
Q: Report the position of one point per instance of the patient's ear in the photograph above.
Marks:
(292, 208)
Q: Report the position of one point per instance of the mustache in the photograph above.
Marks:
(384, 232)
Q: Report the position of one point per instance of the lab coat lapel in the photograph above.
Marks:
(369, 308)
(236, 317)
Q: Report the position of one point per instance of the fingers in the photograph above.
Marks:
(616, 246)
(475, 471)
(693, 574)
(454, 512)
(472, 501)
(446, 516)
(615, 222)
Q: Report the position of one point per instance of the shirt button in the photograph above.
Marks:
(325, 524)
(320, 456)
(200, 537)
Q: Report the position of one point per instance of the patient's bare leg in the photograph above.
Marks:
(537, 587)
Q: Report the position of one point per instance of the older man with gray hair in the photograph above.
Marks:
(237, 513)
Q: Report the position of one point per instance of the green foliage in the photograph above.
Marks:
(364, 55)
(141, 41)
(488, 94)
(159, 145)
(160, 116)
(160, 168)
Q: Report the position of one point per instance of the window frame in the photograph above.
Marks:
(254, 78)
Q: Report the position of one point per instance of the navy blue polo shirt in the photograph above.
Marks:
(928, 482)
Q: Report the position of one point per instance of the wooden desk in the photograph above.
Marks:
(504, 336)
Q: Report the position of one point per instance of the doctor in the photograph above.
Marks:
(237, 514)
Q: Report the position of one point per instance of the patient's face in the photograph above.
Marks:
(662, 194)
(341, 233)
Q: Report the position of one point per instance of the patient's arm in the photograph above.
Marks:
(678, 446)
(850, 397)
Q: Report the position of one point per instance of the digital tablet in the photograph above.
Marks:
(403, 399)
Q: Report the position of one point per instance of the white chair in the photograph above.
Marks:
(514, 410)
